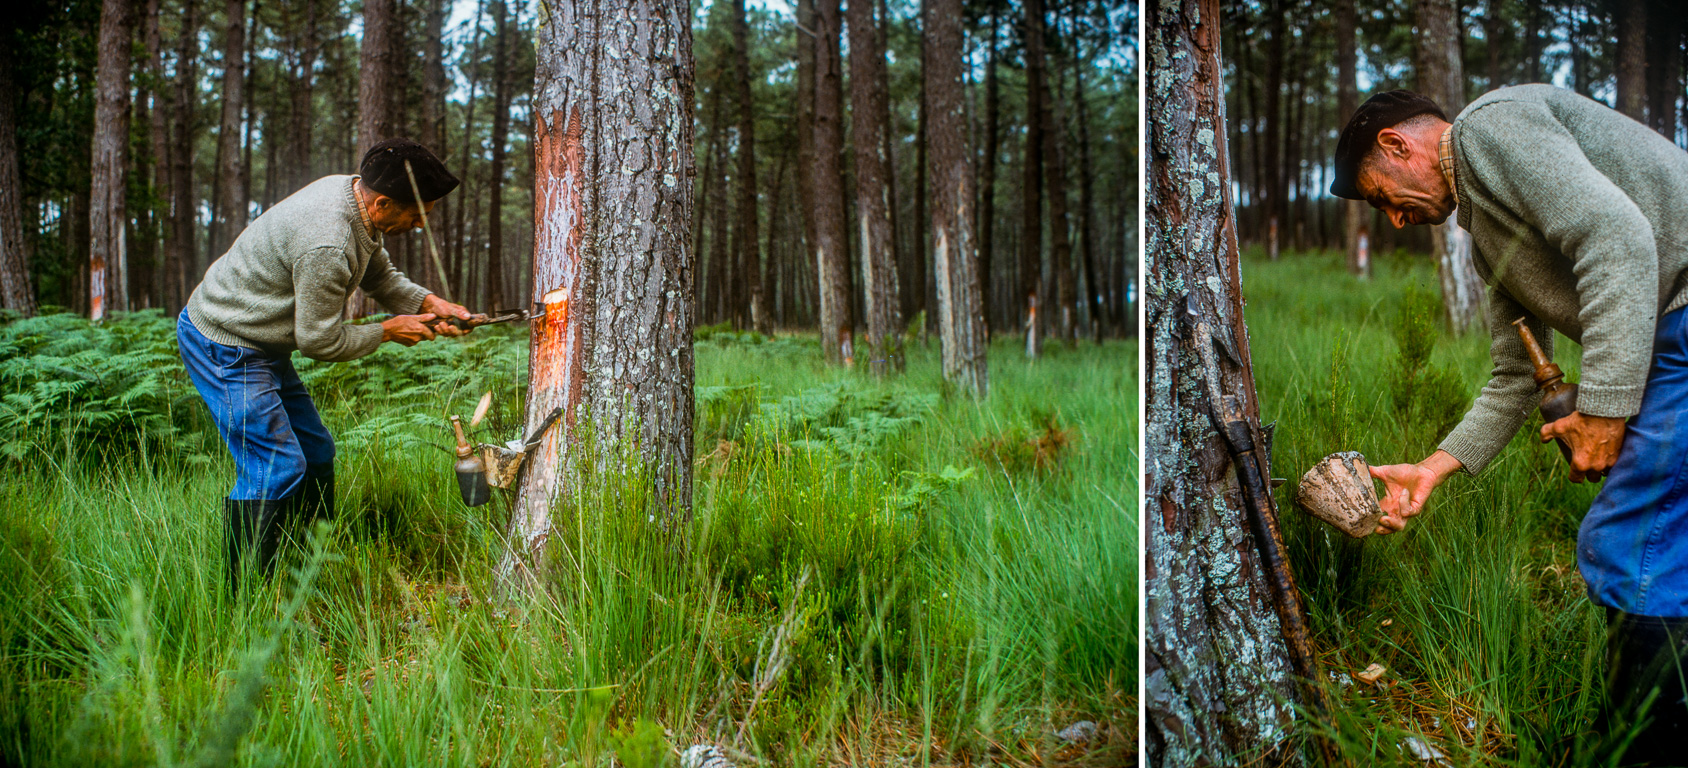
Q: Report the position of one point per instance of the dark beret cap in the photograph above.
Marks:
(1383, 110)
(383, 171)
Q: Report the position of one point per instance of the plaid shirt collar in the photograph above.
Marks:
(1445, 157)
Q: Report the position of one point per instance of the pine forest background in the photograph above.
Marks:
(232, 105)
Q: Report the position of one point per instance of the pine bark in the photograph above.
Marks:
(831, 262)
(1664, 70)
(805, 101)
(376, 77)
(229, 208)
(1271, 160)
(301, 110)
(955, 262)
(612, 262)
(987, 174)
(874, 242)
(1060, 237)
(1219, 688)
(108, 274)
(16, 291)
(1440, 79)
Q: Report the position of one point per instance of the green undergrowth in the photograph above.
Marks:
(874, 570)
(1492, 650)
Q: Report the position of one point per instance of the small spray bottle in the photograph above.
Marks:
(471, 470)
(1558, 397)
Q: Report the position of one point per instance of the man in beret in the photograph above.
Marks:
(1579, 222)
(282, 287)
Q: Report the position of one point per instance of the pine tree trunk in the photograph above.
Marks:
(375, 73)
(1664, 66)
(16, 291)
(1271, 177)
(612, 262)
(229, 214)
(878, 259)
(1347, 101)
(1220, 689)
(431, 134)
(500, 135)
(955, 262)
(460, 229)
(107, 262)
(805, 102)
(1631, 18)
(180, 251)
(1031, 190)
(831, 261)
(1440, 79)
(987, 174)
(1060, 238)
(301, 109)
(749, 259)
(1087, 209)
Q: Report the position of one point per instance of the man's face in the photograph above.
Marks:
(1404, 182)
(392, 217)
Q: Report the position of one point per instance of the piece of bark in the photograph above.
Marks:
(1338, 490)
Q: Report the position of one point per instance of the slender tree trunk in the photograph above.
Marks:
(250, 72)
(376, 77)
(773, 310)
(878, 259)
(1631, 57)
(431, 134)
(831, 261)
(1533, 43)
(460, 245)
(1031, 190)
(301, 112)
(1060, 237)
(1664, 70)
(1087, 208)
(706, 183)
(720, 278)
(955, 263)
(805, 101)
(749, 259)
(1491, 40)
(16, 291)
(1440, 79)
(1221, 688)
(181, 252)
(107, 263)
(229, 215)
(1347, 101)
(920, 282)
(612, 263)
(1272, 180)
(987, 174)
(500, 134)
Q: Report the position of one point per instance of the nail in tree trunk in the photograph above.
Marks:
(500, 135)
(1031, 190)
(16, 291)
(955, 262)
(1219, 685)
(1440, 79)
(749, 259)
(612, 106)
(831, 262)
(229, 208)
(1347, 101)
(878, 258)
(107, 263)
(179, 244)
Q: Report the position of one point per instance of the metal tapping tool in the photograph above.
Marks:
(1558, 397)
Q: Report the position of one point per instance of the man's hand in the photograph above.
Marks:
(1594, 442)
(407, 329)
(1407, 486)
(441, 308)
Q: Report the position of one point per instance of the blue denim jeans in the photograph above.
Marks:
(1633, 545)
(262, 411)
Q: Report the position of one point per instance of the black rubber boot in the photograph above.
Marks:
(1646, 666)
(251, 536)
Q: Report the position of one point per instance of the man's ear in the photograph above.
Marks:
(1394, 144)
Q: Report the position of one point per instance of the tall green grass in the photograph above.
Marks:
(1494, 653)
(933, 579)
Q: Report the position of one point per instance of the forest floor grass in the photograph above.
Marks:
(876, 572)
(1493, 652)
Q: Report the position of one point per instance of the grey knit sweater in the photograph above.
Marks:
(1579, 220)
(283, 284)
